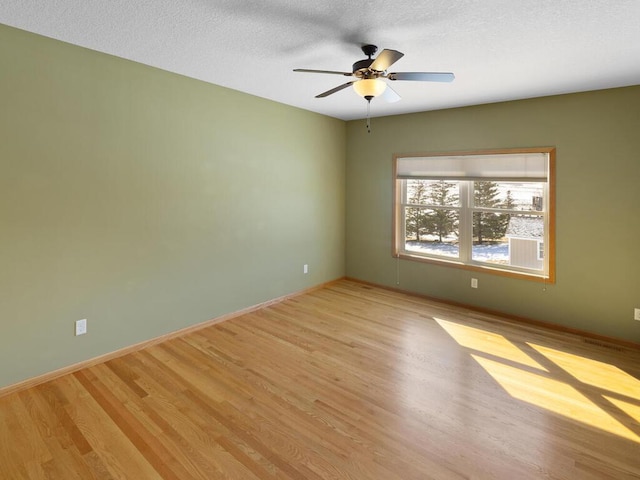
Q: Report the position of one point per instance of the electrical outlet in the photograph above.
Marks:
(474, 283)
(81, 327)
(305, 268)
(636, 314)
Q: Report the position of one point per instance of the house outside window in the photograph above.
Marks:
(525, 235)
(491, 211)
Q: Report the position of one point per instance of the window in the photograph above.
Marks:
(489, 211)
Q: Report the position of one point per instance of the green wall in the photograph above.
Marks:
(597, 136)
(147, 202)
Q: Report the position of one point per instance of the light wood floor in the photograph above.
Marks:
(347, 382)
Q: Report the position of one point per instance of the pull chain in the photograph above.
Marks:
(368, 116)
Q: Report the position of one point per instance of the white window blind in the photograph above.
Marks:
(508, 166)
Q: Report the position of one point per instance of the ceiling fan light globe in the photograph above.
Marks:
(369, 87)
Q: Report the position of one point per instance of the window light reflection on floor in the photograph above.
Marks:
(500, 357)
(594, 373)
(487, 342)
(630, 409)
(553, 395)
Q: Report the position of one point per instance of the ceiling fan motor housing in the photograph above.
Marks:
(361, 67)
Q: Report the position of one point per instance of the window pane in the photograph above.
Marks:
(432, 231)
(508, 195)
(514, 240)
(433, 192)
(489, 241)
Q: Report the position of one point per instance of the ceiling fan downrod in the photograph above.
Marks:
(369, 50)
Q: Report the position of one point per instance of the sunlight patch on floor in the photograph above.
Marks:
(592, 372)
(487, 342)
(553, 395)
(500, 358)
(630, 409)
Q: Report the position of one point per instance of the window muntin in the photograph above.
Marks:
(472, 219)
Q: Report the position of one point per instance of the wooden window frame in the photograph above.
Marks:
(398, 242)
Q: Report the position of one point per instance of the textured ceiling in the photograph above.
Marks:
(498, 49)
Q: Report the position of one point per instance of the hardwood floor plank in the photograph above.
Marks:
(121, 458)
(29, 446)
(66, 460)
(345, 382)
(127, 376)
(56, 402)
(12, 465)
(246, 433)
(188, 431)
(145, 442)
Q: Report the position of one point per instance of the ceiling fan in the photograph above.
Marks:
(368, 74)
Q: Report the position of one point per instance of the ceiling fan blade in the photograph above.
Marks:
(334, 90)
(305, 70)
(423, 76)
(386, 59)
(390, 95)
